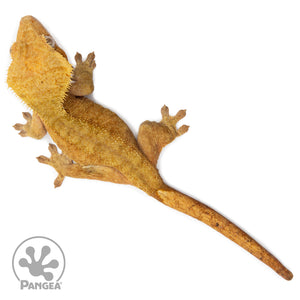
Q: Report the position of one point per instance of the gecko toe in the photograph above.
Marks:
(18, 126)
(59, 180)
(27, 116)
(183, 129)
(53, 149)
(78, 58)
(43, 159)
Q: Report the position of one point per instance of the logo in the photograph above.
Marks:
(39, 264)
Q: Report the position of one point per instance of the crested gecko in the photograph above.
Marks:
(95, 142)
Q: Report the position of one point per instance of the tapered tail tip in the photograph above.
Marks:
(286, 274)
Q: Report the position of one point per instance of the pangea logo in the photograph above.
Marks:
(39, 263)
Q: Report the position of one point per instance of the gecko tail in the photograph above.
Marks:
(204, 213)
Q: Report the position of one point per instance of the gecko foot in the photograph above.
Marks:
(24, 128)
(171, 121)
(153, 136)
(83, 75)
(33, 127)
(59, 162)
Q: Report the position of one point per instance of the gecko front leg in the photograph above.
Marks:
(82, 85)
(83, 75)
(153, 136)
(65, 167)
(34, 126)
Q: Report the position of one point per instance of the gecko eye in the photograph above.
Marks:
(50, 40)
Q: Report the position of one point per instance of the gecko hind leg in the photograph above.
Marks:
(83, 75)
(66, 167)
(34, 126)
(153, 136)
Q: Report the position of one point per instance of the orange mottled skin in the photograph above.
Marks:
(94, 141)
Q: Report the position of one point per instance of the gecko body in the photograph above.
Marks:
(95, 142)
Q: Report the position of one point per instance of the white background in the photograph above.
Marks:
(235, 67)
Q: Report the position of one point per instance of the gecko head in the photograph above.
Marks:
(39, 71)
(39, 29)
